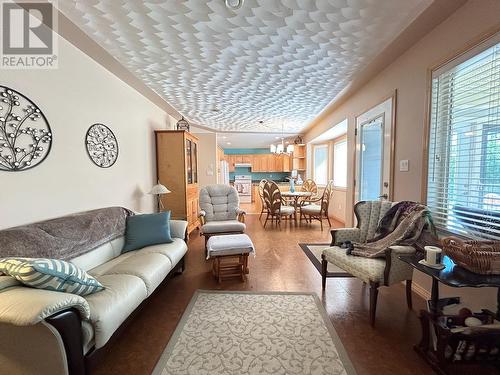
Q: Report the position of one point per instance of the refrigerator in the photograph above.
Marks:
(224, 172)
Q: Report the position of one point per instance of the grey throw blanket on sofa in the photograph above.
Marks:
(65, 237)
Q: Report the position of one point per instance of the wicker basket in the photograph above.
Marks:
(481, 257)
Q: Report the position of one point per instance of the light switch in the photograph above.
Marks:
(404, 165)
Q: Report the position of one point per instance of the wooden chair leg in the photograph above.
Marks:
(329, 224)
(324, 266)
(321, 222)
(408, 294)
(267, 218)
(373, 302)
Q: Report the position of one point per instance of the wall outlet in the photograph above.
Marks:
(404, 165)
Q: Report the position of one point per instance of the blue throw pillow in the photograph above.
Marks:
(145, 230)
(50, 274)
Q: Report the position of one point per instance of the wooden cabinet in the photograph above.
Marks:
(299, 157)
(262, 162)
(287, 163)
(177, 169)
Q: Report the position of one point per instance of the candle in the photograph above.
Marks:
(432, 255)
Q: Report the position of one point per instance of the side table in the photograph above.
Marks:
(436, 336)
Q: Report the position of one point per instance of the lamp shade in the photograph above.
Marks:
(159, 189)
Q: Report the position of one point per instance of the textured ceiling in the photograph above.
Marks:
(280, 61)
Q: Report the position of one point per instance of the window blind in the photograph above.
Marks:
(463, 188)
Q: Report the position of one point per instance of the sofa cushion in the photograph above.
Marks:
(366, 269)
(103, 268)
(223, 226)
(145, 230)
(50, 274)
(174, 251)
(151, 268)
(95, 257)
(110, 308)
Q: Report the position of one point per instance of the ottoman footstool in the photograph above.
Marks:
(230, 255)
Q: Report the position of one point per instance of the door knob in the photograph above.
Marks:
(385, 196)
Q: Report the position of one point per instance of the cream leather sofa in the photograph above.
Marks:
(46, 332)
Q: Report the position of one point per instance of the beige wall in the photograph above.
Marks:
(76, 95)
(408, 74)
(207, 158)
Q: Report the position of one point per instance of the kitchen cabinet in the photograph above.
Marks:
(263, 162)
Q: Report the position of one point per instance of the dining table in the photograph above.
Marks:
(295, 196)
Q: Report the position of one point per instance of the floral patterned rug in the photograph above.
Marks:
(254, 333)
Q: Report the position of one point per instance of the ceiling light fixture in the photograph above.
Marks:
(234, 4)
(280, 148)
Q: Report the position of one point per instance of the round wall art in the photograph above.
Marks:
(102, 145)
(25, 136)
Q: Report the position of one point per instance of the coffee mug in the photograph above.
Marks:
(432, 255)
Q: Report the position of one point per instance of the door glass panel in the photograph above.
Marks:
(371, 159)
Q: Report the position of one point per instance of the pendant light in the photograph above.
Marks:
(280, 147)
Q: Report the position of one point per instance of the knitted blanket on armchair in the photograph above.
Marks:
(403, 225)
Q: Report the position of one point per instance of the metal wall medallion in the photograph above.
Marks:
(25, 136)
(101, 145)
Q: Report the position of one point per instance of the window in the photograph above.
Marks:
(321, 164)
(463, 188)
(340, 164)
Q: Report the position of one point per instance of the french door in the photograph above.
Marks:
(374, 153)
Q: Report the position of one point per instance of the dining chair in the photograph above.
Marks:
(263, 207)
(317, 209)
(275, 205)
(309, 186)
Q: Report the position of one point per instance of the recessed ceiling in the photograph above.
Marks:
(279, 61)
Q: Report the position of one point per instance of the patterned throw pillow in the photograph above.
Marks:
(7, 282)
(50, 274)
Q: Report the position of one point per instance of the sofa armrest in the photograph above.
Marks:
(178, 228)
(23, 306)
(345, 234)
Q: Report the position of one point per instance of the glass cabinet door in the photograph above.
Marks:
(189, 165)
(194, 161)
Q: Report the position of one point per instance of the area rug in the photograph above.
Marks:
(313, 252)
(223, 333)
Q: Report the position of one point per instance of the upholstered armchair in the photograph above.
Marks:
(373, 271)
(220, 212)
(317, 208)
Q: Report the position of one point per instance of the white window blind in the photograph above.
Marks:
(463, 188)
(340, 164)
(321, 164)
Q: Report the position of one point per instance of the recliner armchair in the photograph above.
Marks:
(220, 212)
(373, 271)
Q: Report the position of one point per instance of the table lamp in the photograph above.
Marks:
(159, 190)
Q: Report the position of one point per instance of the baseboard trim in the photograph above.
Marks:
(421, 291)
